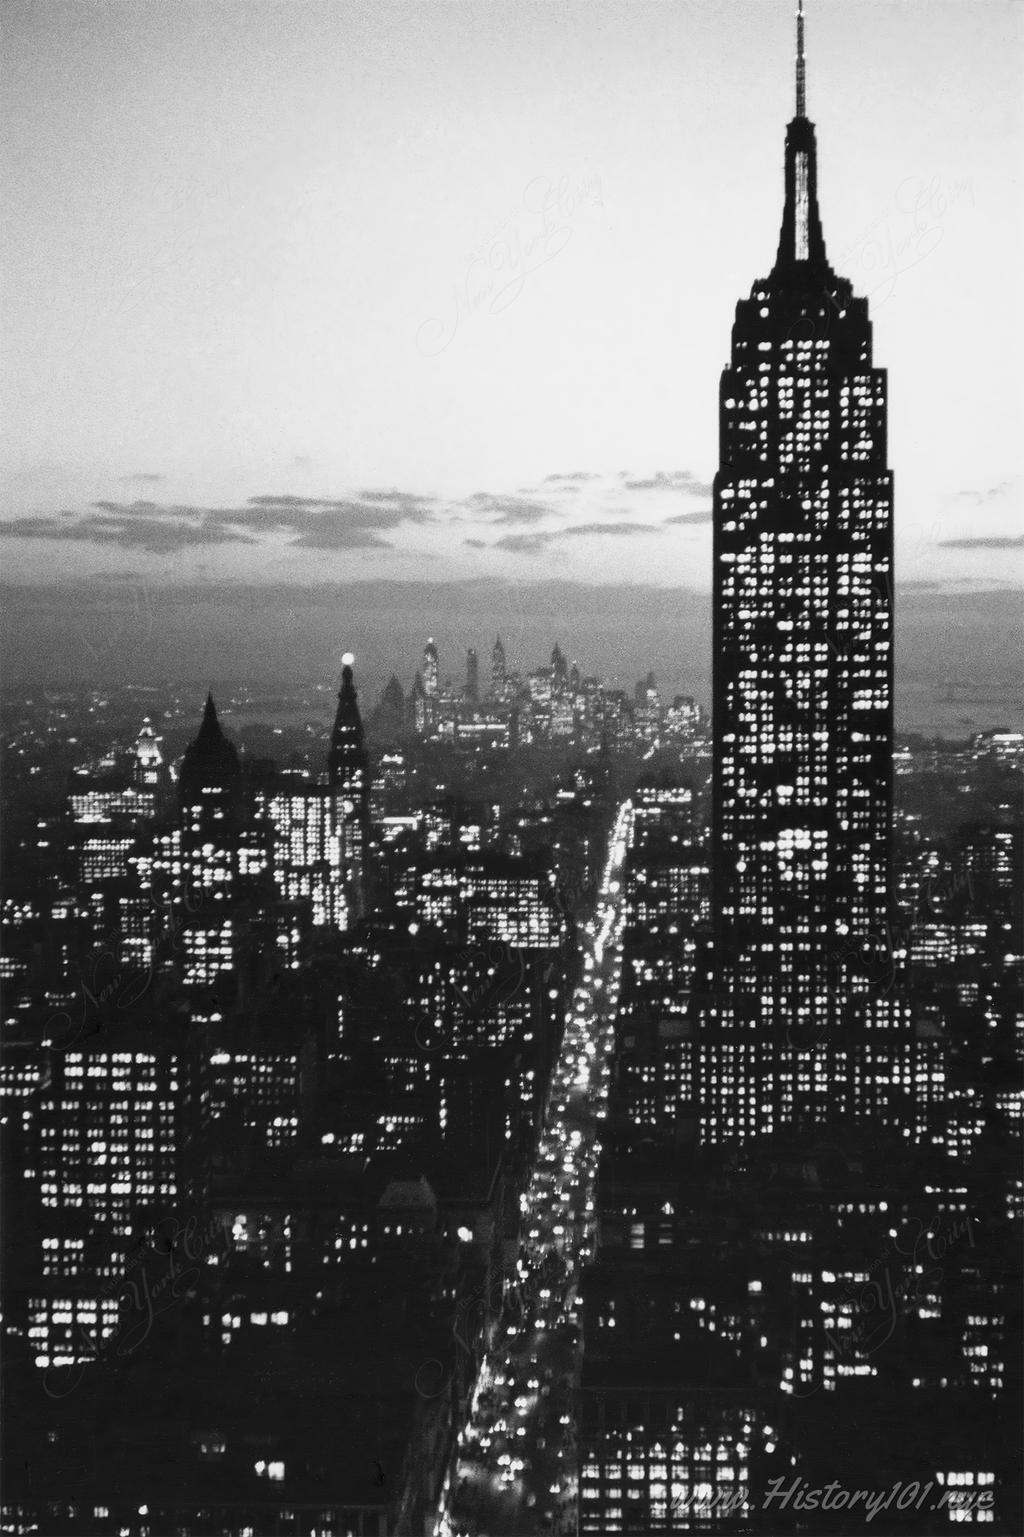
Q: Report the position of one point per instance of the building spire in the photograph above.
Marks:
(801, 239)
(346, 754)
(210, 765)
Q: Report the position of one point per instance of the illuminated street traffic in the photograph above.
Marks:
(515, 1466)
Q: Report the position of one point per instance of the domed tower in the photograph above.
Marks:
(147, 767)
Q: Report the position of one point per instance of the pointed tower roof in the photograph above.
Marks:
(393, 694)
(801, 242)
(210, 762)
(346, 752)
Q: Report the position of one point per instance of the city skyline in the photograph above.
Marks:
(500, 1037)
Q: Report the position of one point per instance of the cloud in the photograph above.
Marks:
(704, 516)
(143, 477)
(158, 535)
(618, 530)
(330, 534)
(476, 544)
(398, 498)
(532, 544)
(673, 480)
(34, 528)
(317, 523)
(509, 509)
(123, 508)
(982, 542)
(283, 500)
(576, 475)
(524, 544)
(371, 509)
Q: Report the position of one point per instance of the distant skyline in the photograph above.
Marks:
(316, 293)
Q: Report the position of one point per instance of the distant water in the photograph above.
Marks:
(958, 712)
(288, 718)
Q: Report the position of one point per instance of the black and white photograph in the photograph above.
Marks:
(511, 768)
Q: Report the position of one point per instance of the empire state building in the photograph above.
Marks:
(803, 675)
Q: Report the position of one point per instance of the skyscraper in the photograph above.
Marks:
(430, 669)
(803, 656)
(148, 759)
(499, 670)
(210, 778)
(320, 831)
(472, 676)
(348, 779)
(559, 669)
(211, 799)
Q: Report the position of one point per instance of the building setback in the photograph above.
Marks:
(802, 670)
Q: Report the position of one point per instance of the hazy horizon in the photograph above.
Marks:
(957, 656)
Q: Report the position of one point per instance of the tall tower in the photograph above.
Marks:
(148, 760)
(430, 669)
(212, 803)
(559, 669)
(499, 670)
(472, 676)
(210, 777)
(348, 784)
(802, 663)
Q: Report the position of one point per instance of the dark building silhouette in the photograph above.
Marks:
(346, 760)
(559, 670)
(802, 669)
(771, 1143)
(472, 676)
(210, 774)
(391, 714)
(349, 782)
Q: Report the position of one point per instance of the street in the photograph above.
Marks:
(514, 1470)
